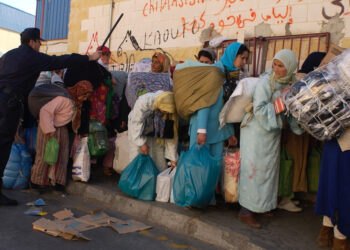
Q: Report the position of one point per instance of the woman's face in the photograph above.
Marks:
(206, 60)
(105, 57)
(241, 60)
(279, 69)
(156, 65)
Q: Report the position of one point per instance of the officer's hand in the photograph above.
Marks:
(95, 56)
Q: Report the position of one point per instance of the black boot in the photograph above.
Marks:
(4, 201)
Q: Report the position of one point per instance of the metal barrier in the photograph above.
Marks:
(264, 48)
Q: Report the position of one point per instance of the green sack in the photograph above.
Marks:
(98, 139)
(313, 169)
(51, 151)
(285, 183)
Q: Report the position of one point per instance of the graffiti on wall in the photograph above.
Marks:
(340, 10)
(205, 19)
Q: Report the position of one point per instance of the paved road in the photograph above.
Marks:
(17, 233)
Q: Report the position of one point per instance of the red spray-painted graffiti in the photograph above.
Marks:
(93, 45)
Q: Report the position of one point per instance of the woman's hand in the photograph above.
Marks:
(201, 138)
(52, 134)
(144, 149)
(232, 141)
(173, 164)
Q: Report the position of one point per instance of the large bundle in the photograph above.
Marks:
(321, 100)
(140, 83)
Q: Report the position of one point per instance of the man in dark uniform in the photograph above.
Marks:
(19, 70)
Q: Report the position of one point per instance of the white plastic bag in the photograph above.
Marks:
(165, 184)
(234, 109)
(81, 162)
(121, 153)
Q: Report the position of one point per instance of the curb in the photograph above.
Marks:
(222, 237)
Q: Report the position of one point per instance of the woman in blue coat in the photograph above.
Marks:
(204, 124)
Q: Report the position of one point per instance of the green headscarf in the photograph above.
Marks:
(290, 62)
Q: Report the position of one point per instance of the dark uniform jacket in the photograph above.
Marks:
(20, 68)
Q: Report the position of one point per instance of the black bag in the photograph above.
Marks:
(168, 129)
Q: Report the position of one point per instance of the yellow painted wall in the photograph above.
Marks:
(9, 40)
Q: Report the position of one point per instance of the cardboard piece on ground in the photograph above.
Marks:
(129, 226)
(89, 222)
(54, 228)
(334, 50)
(71, 229)
(63, 214)
(98, 220)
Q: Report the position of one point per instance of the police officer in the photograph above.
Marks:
(19, 70)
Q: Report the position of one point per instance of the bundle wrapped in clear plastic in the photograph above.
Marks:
(321, 100)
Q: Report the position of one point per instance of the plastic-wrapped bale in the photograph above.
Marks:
(321, 100)
(17, 171)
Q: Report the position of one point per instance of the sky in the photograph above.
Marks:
(25, 5)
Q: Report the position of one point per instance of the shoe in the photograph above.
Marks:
(296, 202)
(325, 238)
(4, 201)
(340, 244)
(249, 220)
(60, 188)
(290, 207)
(107, 171)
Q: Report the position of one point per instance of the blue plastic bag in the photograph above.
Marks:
(196, 177)
(17, 170)
(139, 178)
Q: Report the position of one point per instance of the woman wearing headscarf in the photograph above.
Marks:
(261, 139)
(54, 112)
(204, 124)
(148, 130)
(160, 63)
(237, 53)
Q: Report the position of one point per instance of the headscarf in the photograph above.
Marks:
(79, 89)
(230, 53)
(163, 60)
(166, 102)
(312, 62)
(290, 62)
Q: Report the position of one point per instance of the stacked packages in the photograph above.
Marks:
(321, 100)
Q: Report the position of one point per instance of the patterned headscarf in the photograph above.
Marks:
(163, 60)
(79, 89)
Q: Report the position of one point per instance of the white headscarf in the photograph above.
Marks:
(290, 62)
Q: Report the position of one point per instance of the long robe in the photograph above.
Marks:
(333, 199)
(158, 152)
(260, 149)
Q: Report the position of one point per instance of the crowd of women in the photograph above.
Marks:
(166, 107)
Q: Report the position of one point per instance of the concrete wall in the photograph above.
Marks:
(9, 40)
(181, 26)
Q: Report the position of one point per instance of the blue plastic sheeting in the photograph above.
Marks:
(19, 165)
(14, 19)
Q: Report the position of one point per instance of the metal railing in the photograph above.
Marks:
(264, 48)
